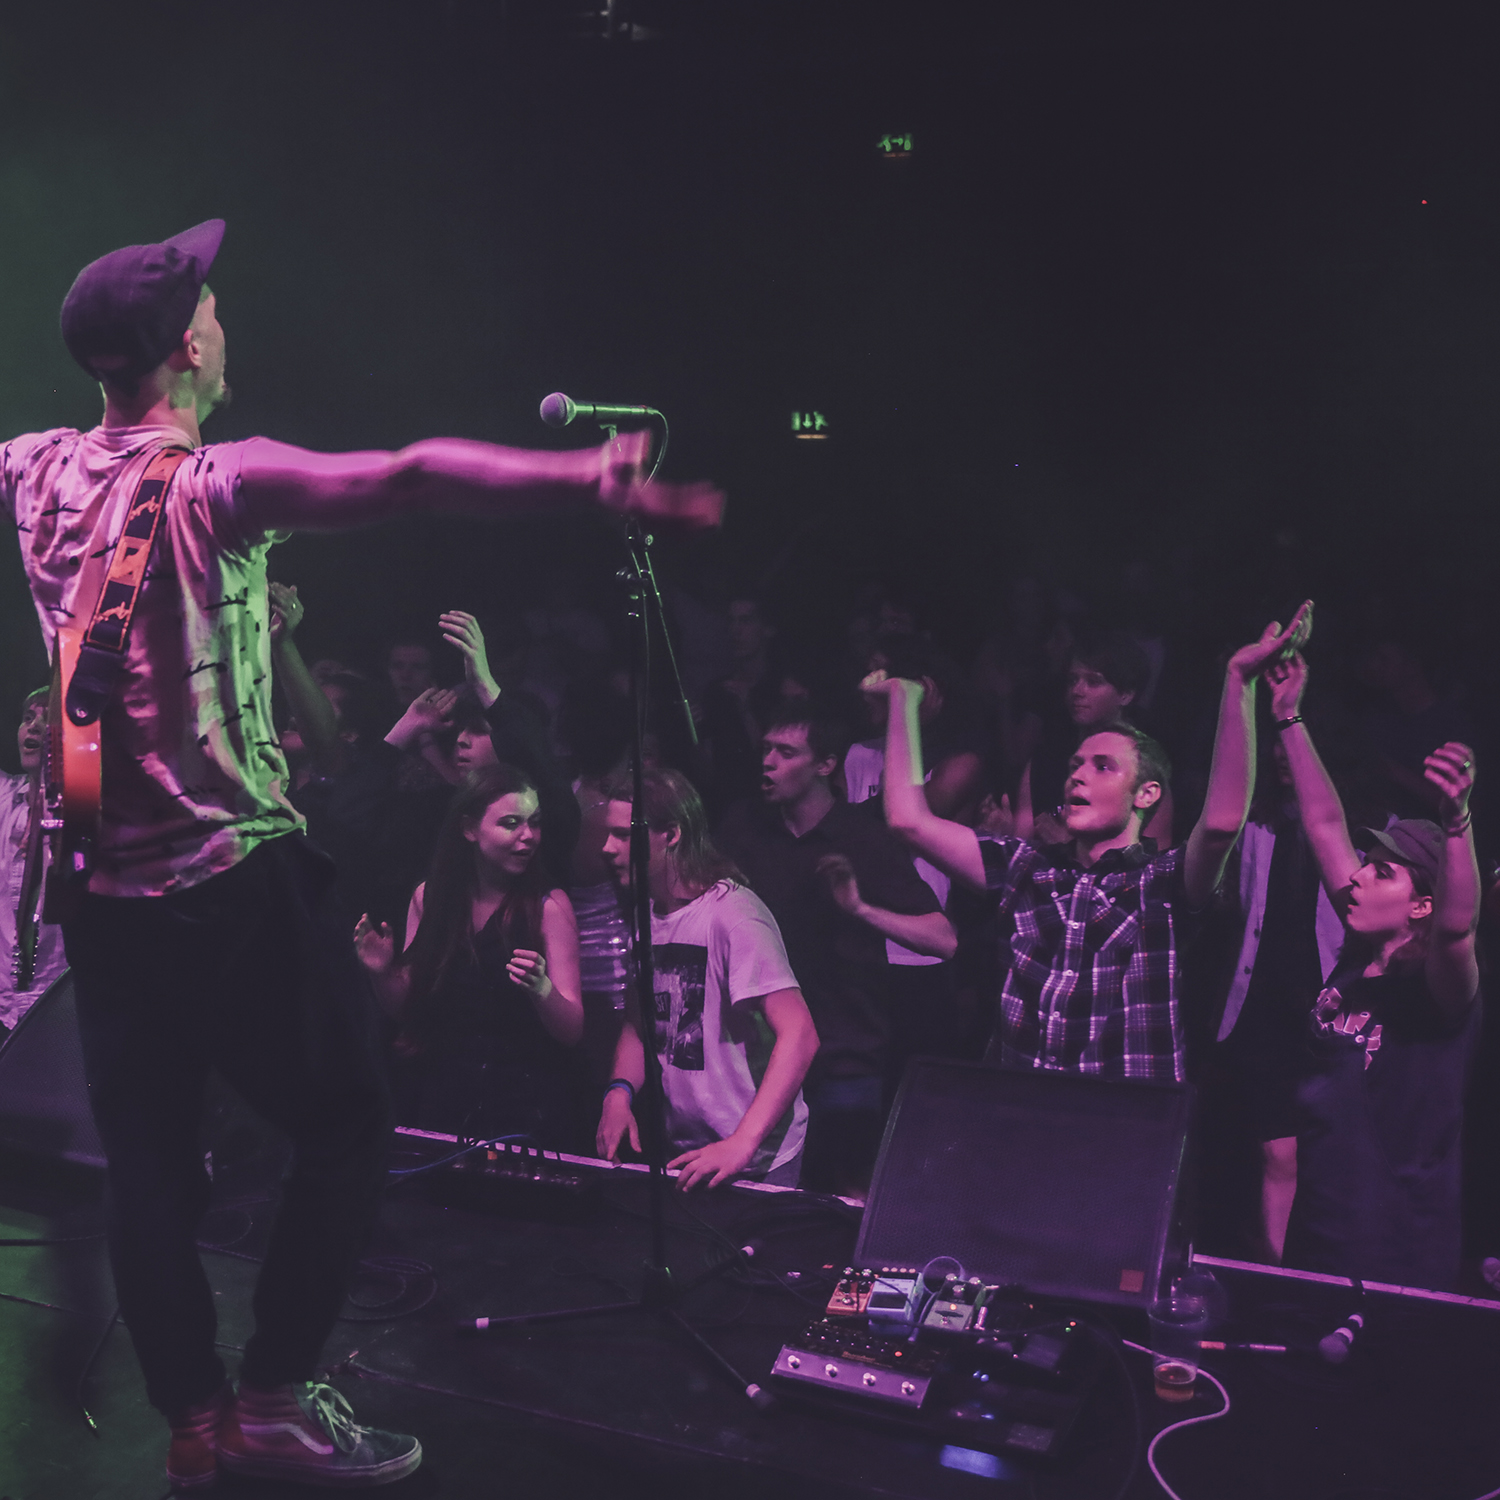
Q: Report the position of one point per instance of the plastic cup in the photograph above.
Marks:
(1178, 1323)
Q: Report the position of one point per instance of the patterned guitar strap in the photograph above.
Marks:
(102, 653)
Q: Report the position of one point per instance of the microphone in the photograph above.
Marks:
(1334, 1349)
(558, 410)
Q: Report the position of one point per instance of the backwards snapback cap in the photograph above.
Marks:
(1410, 841)
(128, 310)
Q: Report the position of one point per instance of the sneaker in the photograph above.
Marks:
(192, 1460)
(307, 1433)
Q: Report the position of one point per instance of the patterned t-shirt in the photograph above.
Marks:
(713, 957)
(193, 775)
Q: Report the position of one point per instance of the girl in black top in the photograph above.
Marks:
(487, 993)
(1380, 1109)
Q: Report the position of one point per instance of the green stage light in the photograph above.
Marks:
(893, 147)
(809, 424)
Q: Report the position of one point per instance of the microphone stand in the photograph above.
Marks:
(660, 1294)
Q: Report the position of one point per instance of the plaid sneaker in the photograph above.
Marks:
(307, 1433)
(192, 1460)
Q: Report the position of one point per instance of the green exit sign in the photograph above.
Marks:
(809, 424)
(893, 146)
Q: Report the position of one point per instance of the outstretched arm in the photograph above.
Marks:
(287, 488)
(1452, 966)
(1231, 779)
(1317, 799)
(950, 846)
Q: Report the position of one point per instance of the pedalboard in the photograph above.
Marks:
(963, 1362)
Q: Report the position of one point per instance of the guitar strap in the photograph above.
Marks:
(102, 653)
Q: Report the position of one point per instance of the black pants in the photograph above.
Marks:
(239, 974)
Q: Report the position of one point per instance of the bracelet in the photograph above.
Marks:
(1459, 829)
(621, 1083)
(1287, 723)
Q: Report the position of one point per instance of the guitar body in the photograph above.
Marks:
(71, 777)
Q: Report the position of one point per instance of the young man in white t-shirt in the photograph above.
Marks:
(732, 1031)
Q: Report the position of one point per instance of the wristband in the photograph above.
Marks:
(1459, 829)
(621, 1083)
(1287, 723)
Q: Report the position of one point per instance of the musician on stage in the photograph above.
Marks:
(1094, 925)
(201, 941)
(31, 952)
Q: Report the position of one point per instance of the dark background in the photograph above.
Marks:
(1209, 290)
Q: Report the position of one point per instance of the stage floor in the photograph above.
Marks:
(621, 1407)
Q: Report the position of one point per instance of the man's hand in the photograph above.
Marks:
(1450, 768)
(528, 969)
(286, 611)
(1275, 644)
(616, 1121)
(880, 684)
(374, 945)
(714, 1164)
(430, 712)
(1287, 680)
(623, 487)
(842, 884)
(996, 821)
(462, 630)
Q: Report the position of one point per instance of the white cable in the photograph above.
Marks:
(1212, 1416)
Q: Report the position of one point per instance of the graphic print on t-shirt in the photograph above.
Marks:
(681, 978)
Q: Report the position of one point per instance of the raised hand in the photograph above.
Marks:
(461, 629)
(1450, 768)
(1275, 644)
(1287, 680)
(842, 884)
(528, 969)
(374, 945)
(623, 487)
(286, 611)
(996, 820)
(880, 684)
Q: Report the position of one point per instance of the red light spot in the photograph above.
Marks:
(1424, 200)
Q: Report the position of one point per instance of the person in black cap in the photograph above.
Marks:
(1380, 1105)
(202, 939)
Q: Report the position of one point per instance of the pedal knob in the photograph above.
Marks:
(793, 1362)
(831, 1371)
(907, 1388)
(868, 1377)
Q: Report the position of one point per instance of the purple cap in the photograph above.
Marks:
(1411, 841)
(128, 310)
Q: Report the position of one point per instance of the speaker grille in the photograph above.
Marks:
(1055, 1182)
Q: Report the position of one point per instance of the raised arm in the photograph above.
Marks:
(1317, 800)
(287, 488)
(950, 846)
(1452, 965)
(1231, 778)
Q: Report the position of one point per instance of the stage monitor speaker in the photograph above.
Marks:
(1058, 1183)
(44, 1102)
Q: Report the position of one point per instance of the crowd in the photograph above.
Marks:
(815, 927)
(1059, 896)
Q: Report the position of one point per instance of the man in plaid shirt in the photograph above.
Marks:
(1092, 981)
